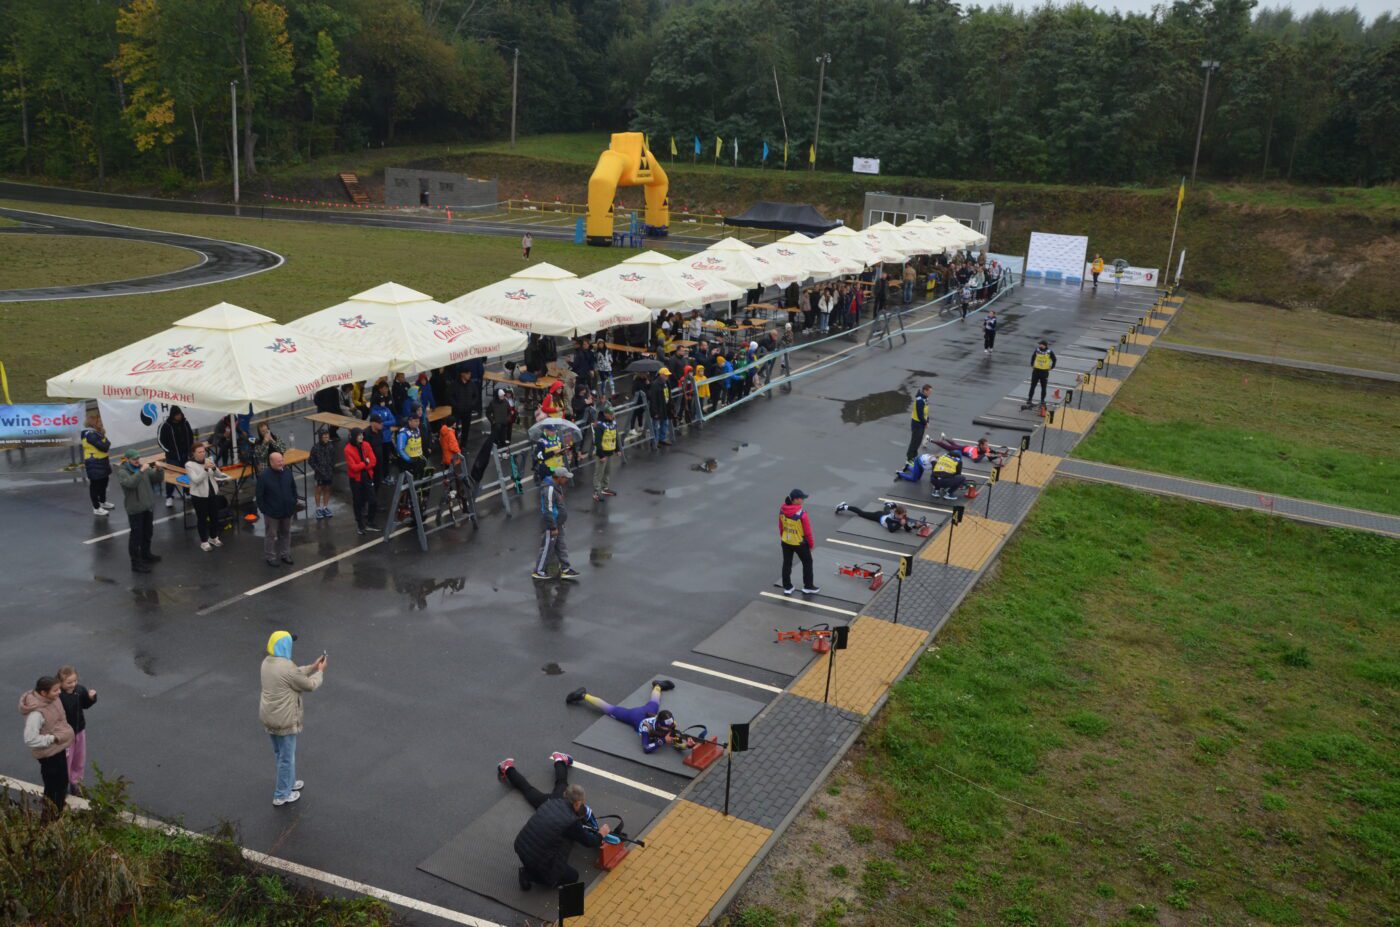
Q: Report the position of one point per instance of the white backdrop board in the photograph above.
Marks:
(136, 421)
(1056, 256)
(1132, 276)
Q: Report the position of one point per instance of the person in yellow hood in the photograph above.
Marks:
(280, 710)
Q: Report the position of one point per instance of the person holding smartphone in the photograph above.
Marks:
(138, 485)
(280, 709)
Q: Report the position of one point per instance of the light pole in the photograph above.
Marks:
(514, 84)
(233, 91)
(1210, 66)
(822, 61)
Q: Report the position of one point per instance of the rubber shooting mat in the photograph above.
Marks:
(851, 590)
(748, 637)
(690, 704)
(482, 859)
(862, 530)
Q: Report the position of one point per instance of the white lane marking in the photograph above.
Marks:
(117, 534)
(716, 673)
(931, 508)
(878, 550)
(639, 786)
(825, 608)
(273, 862)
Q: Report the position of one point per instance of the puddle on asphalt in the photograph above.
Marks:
(875, 406)
(553, 669)
(599, 555)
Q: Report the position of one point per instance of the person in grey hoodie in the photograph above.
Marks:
(47, 734)
(138, 493)
(280, 711)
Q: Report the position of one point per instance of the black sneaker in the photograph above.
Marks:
(665, 685)
(139, 567)
(841, 508)
(570, 573)
(151, 558)
(576, 696)
(811, 590)
(271, 562)
(287, 561)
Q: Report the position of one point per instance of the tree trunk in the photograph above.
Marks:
(1293, 151)
(198, 143)
(250, 138)
(1268, 138)
(23, 114)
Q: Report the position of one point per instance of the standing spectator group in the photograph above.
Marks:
(55, 731)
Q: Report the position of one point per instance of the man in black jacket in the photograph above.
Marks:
(464, 395)
(277, 500)
(659, 400)
(1042, 362)
(176, 438)
(560, 819)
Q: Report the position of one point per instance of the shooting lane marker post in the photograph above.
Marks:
(906, 563)
(570, 901)
(838, 642)
(1069, 400)
(991, 481)
(738, 743)
(1045, 426)
(952, 523)
(1025, 446)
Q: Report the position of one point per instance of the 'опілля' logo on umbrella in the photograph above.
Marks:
(630, 277)
(519, 295)
(692, 281)
(446, 331)
(358, 322)
(786, 253)
(707, 261)
(283, 346)
(176, 358)
(596, 303)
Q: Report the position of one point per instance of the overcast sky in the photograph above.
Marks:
(1370, 9)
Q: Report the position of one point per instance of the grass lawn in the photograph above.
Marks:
(1199, 703)
(325, 264)
(1272, 429)
(1297, 334)
(59, 260)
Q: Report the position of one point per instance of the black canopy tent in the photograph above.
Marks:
(791, 217)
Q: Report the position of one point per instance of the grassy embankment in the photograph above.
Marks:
(52, 260)
(325, 264)
(1262, 427)
(1200, 704)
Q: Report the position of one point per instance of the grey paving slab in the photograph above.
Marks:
(689, 702)
(748, 637)
(1282, 362)
(1006, 501)
(480, 858)
(853, 590)
(928, 598)
(1296, 509)
(790, 746)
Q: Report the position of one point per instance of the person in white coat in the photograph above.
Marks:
(204, 487)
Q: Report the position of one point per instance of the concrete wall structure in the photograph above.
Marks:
(405, 187)
(900, 209)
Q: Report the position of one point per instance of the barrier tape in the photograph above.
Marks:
(375, 206)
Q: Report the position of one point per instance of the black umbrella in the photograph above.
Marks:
(645, 365)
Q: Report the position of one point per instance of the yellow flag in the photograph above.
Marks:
(673, 146)
(1181, 195)
(719, 146)
(812, 154)
(785, 152)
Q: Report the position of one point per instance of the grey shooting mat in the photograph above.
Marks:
(920, 493)
(862, 531)
(748, 637)
(689, 702)
(1007, 413)
(849, 590)
(482, 858)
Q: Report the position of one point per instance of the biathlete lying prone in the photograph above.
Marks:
(653, 724)
(892, 518)
(982, 450)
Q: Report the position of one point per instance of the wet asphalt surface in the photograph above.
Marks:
(442, 663)
(219, 260)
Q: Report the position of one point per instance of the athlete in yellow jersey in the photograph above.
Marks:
(1042, 362)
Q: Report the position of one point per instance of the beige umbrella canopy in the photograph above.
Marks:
(548, 300)
(222, 359)
(893, 246)
(808, 253)
(739, 263)
(966, 237)
(847, 242)
(407, 330)
(661, 282)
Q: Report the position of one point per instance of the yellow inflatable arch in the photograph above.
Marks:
(626, 163)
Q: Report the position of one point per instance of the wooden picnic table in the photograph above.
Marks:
(625, 348)
(543, 383)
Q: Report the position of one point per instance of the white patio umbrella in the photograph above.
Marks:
(548, 300)
(808, 253)
(407, 330)
(845, 241)
(221, 359)
(966, 237)
(936, 238)
(739, 263)
(661, 282)
(894, 247)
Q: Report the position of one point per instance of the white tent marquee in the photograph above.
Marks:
(221, 359)
(407, 330)
(847, 242)
(893, 247)
(548, 300)
(809, 255)
(739, 263)
(661, 282)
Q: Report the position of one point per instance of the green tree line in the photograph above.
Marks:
(92, 88)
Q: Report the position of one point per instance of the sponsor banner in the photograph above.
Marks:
(865, 165)
(1132, 276)
(133, 421)
(42, 422)
(1055, 256)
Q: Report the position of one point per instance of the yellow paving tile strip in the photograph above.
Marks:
(1031, 468)
(1076, 420)
(1105, 385)
(875, 654)
(692, 856)
(1124, 359)
(1141, 339)
(974, 542)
